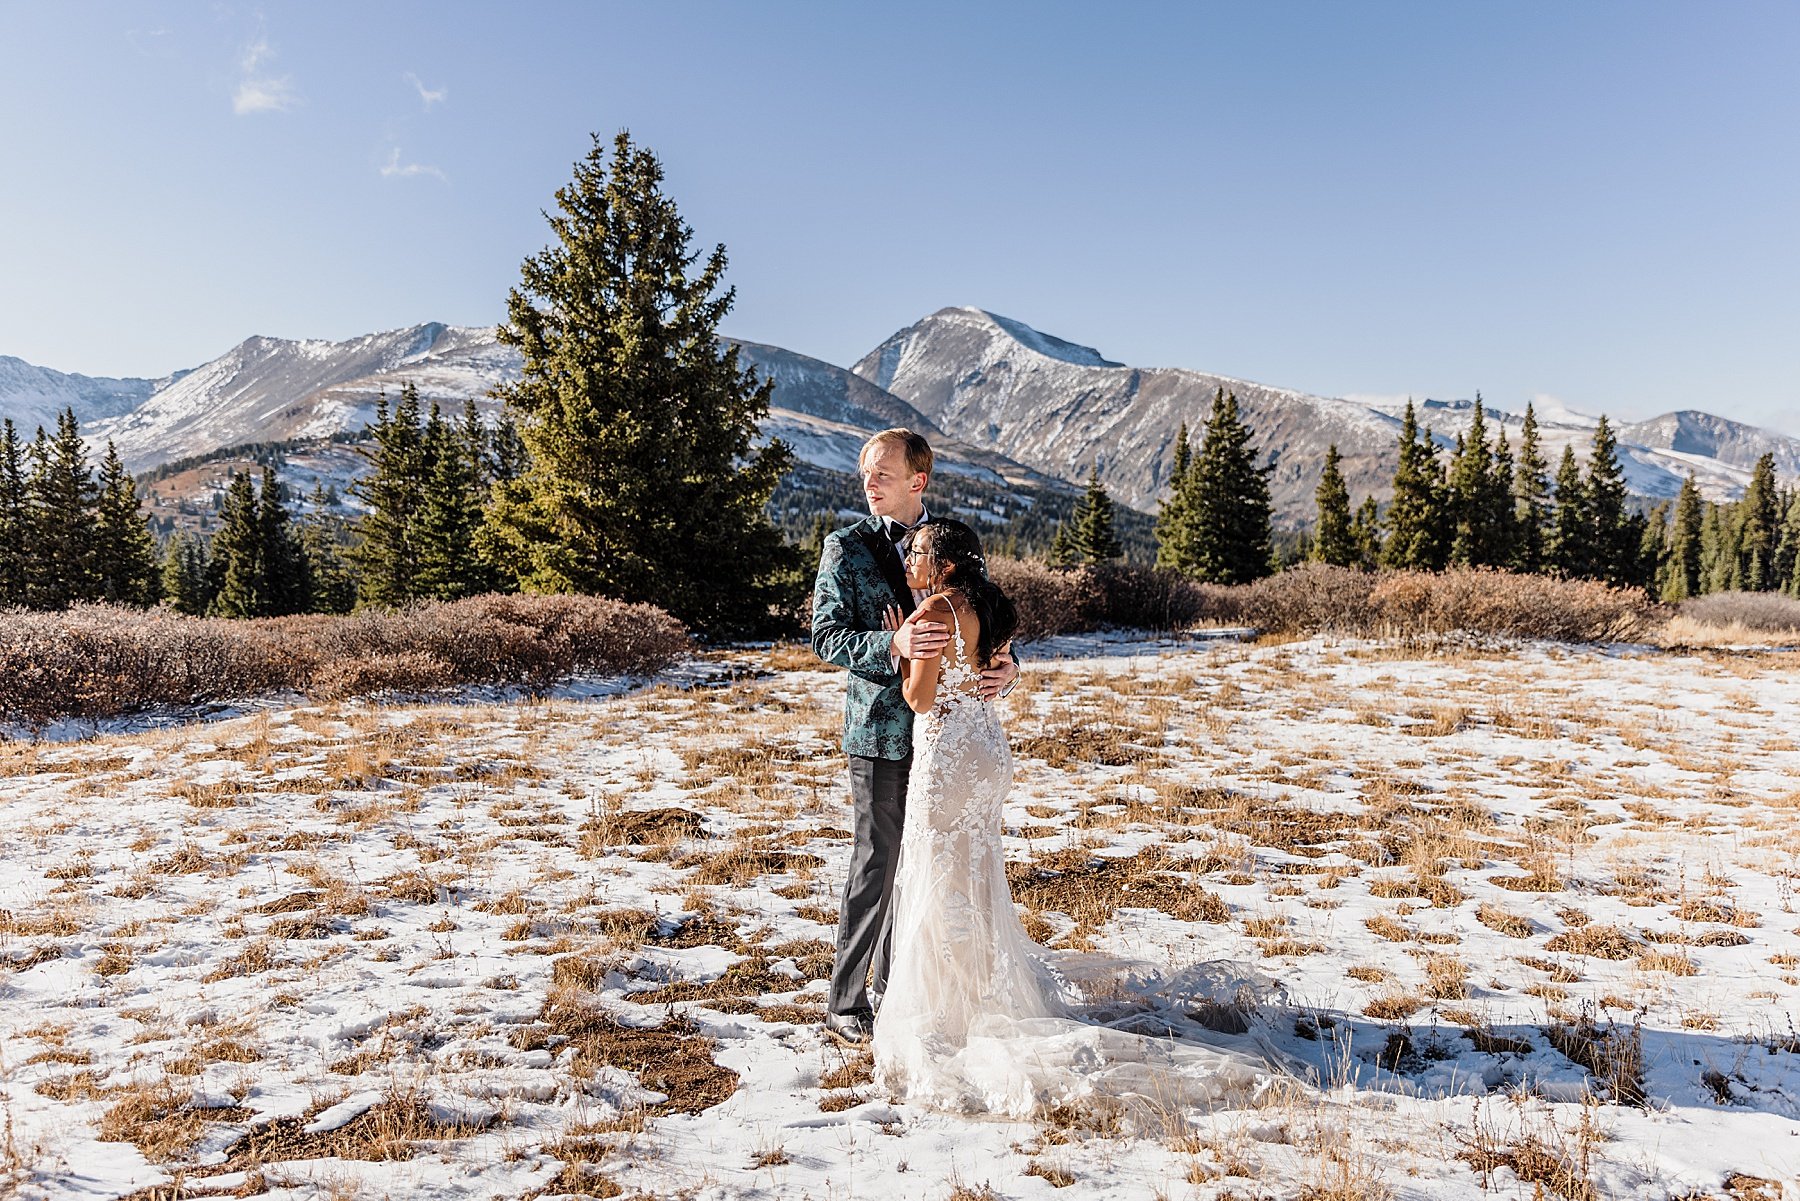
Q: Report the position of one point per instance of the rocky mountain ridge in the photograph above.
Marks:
(1003, 402)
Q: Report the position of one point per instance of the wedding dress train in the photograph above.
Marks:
(978, 1018)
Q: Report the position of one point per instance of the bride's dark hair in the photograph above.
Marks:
(957, 550)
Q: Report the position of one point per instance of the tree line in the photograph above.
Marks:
(1214, 525)
(1489, 506)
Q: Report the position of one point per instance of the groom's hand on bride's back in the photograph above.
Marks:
(998, 676)
(919, 638)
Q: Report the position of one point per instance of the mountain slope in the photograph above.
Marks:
(281, 390)
(33, 396)
(1061, 407)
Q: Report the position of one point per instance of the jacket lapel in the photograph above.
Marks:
(876, 539)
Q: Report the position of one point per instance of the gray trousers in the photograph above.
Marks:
(878, 798)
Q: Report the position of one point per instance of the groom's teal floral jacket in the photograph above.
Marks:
(859, 576)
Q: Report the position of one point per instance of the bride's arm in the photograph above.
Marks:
(919, 677)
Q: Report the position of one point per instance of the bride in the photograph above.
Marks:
(976, 1017)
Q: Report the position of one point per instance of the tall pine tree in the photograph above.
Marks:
(642, 481)
(1681, 568)
(1531, 498)
(1365, 531)
(1093, 540)
(125, 563)
(237, 582)
(1787, 550)
(1416, 514)
(1474, 539)
(287, 582)
(64, 499)
(451, 512)
(1615, 533)
(1173, 521)
(1335, 542)
(1567, 547)
(1759, 519)
(1228, 501)
(332, 579)
(386, 551)
(17, 536)
(185, 579)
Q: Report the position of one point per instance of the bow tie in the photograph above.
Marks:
(896, 532)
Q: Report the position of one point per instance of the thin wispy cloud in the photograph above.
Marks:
(258, 91)
(428, 96)
(394, 168)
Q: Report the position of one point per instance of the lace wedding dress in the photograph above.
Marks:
(976, 1017)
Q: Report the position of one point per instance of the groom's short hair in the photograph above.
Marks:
(918, 451)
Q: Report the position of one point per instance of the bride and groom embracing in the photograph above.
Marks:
(973, 1015)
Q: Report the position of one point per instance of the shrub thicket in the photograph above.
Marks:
(1316, 597)
(97, 661)
(1762, 611)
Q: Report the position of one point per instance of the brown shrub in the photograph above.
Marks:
(1310, 598)
(1313, 597)
(1764, 612)
(1049, 601)
(97, 661)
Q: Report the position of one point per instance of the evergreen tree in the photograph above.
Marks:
(287, 583)
(332, 580)
(642, 480)
(1718, 549)
(64, 498)
(1498, 503)
(1759, 520)
(124, 549)
(1335, 542)
(1531, 498)
(1470, 482)
(1787, 551)
(1654, 546)
(386, 553)
(1061, 553)
(236, 579)
(451, 512)
(1174, 533)
(17, 537)
(1093, 540)
(1365, 532)
(1566, 548)
(1227, 496)
(1415, 515)
(185, 575)
(506, 455)
(1614, 532)
(1681, 569)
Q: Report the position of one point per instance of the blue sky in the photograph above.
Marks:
(1594, 201)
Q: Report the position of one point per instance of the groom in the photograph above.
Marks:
(860, 577)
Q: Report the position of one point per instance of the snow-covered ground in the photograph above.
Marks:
(576, 945)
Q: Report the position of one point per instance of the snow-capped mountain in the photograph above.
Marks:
(1002, 403)
(1061, 407)
(33, 396)
(277, 390)
(1655, 455)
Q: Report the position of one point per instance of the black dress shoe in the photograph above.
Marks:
(853, 1029)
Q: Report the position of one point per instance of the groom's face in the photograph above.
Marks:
(891, 489)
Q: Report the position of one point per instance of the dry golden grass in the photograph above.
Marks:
(1598, 942)
(1513, 925)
